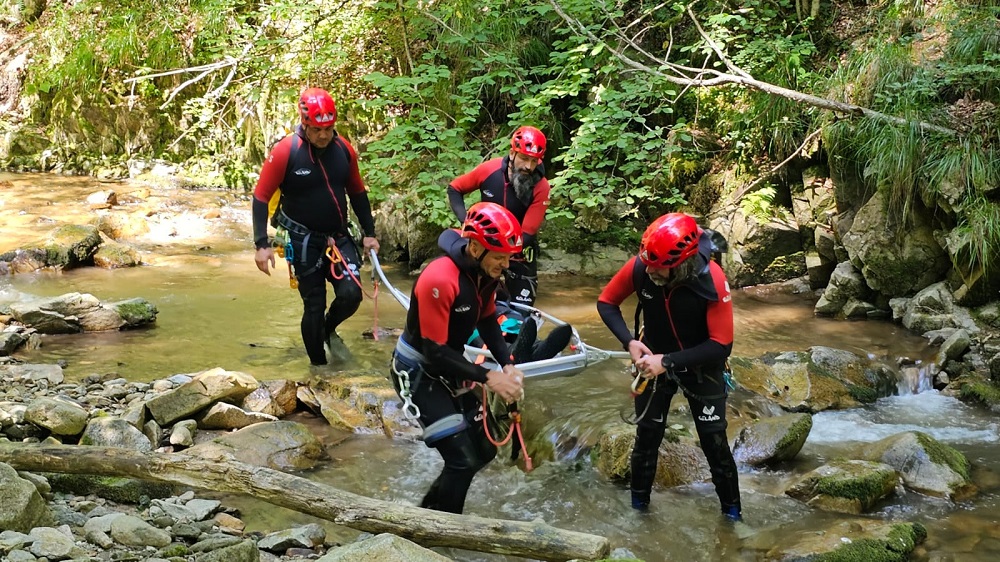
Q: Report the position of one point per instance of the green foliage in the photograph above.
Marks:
(759, 203)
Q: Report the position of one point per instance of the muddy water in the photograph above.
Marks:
(216, 309)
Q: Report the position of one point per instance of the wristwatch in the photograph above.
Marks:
(667, 363)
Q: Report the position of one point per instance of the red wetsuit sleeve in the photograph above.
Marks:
(467, 183)
(535, 216)
(610, 300)
(272, 173)
(436, 295)
(354, 183)
(720, 312)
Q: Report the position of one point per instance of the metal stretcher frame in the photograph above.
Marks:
(563, 365)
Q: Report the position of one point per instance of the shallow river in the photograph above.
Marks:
(216, 309)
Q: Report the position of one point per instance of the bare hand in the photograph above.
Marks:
(262, 257)
(370, 243)
(508, 384)
(637, 350)
(650, 366)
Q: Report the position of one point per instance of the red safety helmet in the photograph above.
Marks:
(317, 108)
(494, 227)
(669, 240)
(529, 141)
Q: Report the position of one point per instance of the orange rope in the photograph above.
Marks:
(516, 417)
(335, 257)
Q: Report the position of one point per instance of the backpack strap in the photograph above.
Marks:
(638, 276)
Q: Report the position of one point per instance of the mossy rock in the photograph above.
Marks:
(135, 312)
(72, 245)
(112, 255)
(116, 489)
(981, 391)
(852, 486)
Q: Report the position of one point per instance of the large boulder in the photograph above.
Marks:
(760, 252)
(21, 506)
(925, 464)
(281, 445)
(773, 439)
(202, 390)
(852, 539)
(58, 415)
(382, 548)
(845, 486)
(893, 262)
(72, 245)
(681, 460)
(845, 283)
(115, 432)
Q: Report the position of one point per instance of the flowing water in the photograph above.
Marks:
(216, 309)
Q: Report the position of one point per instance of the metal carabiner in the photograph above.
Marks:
(410, 410)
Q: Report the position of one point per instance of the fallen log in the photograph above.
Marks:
(533, 539)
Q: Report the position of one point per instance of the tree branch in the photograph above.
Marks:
(707, 78)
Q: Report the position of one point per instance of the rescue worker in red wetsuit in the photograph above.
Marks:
(687, 336)
(317, 172)
(454, 295)
(516, 182)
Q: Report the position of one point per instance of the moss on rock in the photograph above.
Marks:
(943, 454)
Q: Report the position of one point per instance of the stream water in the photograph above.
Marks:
(216, 309)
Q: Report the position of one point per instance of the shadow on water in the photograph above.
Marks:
(216, 309)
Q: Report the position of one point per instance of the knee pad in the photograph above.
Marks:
(444, 427)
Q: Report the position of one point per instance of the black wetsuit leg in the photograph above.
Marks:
(709, 412)
(464, 453)
(312, 290)
(651, 407)
(348, 292)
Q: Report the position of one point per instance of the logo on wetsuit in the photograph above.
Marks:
(709, 416)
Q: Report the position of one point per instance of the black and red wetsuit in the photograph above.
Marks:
(315, 187)
(490, 178)
(692, 324)
(451, 298)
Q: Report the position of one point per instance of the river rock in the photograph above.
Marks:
(281, 445)
(21, 506)
(853, 539)
(925, 464)
(845, 486)
(132, 531)
(681, 460)
(304, 536)
(102, 199)
(135, 312)
(244, 551)
(54, 544)
(123, 226)
(58, 415)
(773, 439)
(382, 548)
(115, 432)
(71, 245)
(203, 389)
(791, 381)
(227, 416)
(51, 374)
(354, 401)
(113, 255)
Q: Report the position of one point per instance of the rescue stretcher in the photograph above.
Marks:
(575, 358)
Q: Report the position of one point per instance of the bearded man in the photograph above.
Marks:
(516, 182)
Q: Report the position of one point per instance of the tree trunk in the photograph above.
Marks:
(428, 528)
